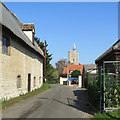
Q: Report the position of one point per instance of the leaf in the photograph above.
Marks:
(117, 100)
(115, 91)
(116, 96)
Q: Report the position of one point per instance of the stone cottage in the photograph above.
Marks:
(21, 59)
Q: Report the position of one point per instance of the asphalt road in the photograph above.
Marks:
(58, 102)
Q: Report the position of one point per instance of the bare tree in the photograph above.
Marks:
(60, 65)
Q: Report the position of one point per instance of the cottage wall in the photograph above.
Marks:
(0, 60)
(29, 34)
(21, 61)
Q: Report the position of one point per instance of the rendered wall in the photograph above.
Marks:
(62, 79)
(80, 82)
(29, 34)
(22, 60)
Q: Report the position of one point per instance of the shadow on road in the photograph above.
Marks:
(80, 103)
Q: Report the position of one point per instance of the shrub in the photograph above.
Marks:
(75, 73)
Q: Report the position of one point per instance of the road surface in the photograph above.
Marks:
(58, 102)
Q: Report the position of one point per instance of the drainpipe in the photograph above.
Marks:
(45, 64)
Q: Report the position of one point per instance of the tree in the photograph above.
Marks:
(75, 73)
(51, 72)
(60, 65)
(42, 46)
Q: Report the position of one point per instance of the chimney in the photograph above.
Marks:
(29, 30)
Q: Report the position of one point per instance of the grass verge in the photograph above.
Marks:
(8, 103)
(114, 115)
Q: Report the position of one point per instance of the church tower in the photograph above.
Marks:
(74, 56)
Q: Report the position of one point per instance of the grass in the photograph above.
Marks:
(114, 115)
(8, 103)
(53, 82)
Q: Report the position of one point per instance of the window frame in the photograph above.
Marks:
(19, 81)
(34, 82)
(39, 79)
(5, 45)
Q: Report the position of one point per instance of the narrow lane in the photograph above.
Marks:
(58, 102)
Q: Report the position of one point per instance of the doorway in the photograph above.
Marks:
(29, 82)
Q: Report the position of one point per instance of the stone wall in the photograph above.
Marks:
(21, 61)
(74, 57)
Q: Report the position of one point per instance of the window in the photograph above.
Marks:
(5, 45)
(18, 81)
(73, 60)
(40, 79)
(34, 80)
(71, 72)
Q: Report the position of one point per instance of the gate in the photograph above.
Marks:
(110, 86)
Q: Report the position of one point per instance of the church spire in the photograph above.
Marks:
(74, 48)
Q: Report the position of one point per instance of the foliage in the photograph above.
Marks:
(75, 73)
(93, 88)
(51, 72)
(112, 92)
(55, 74)
(42, 46)
(111, 114)
(55, 82)
(60, 65)
(112, 88)
(7, 103)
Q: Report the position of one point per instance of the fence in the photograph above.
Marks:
(110, 85)
(104, 87)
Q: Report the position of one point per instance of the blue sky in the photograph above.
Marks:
(92, 26)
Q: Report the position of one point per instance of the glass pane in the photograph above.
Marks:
(3, 45)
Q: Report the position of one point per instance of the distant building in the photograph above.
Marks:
(71, 68)
(73, 65)
(21, 59)
(74, 56)
(90, 68)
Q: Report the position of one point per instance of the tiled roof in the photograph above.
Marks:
(28, 26)
(89, 66)
(65, 70)
(72, 68)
